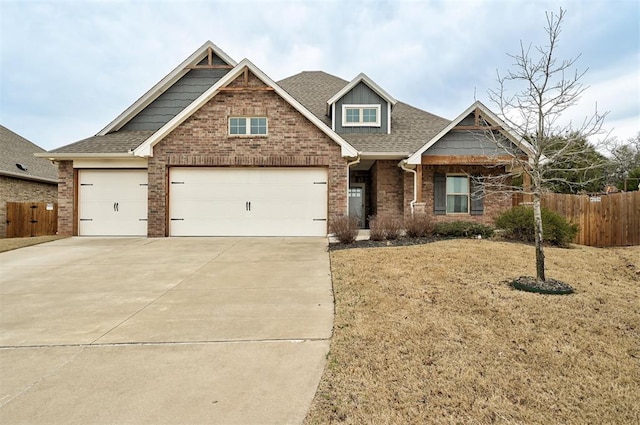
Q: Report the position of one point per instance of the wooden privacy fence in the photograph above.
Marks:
(604, 220)
(26, 219)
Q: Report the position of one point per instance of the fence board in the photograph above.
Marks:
(25, 219)
(605, 220)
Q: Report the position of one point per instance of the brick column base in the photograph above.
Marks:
(419, 208)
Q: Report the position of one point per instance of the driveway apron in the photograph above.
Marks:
(163, 331)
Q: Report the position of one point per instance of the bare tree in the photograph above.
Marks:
(624, 169)
(531, 99)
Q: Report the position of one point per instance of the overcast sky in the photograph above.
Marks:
(68, 68)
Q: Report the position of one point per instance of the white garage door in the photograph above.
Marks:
(248, 202)
(112, 202)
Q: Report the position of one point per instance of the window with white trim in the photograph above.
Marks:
(361, 115)
(248, 126)
(457, 194)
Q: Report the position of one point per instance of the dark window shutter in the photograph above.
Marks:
(477, 196)
(439, 194)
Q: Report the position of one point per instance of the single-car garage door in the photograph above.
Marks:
(248, 201)
(112, 202)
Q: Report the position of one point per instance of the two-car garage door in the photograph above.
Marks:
(248, 201)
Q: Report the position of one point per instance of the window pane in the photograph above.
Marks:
(237, 126)
(369, 115)
(457, 204)
(353, 115)
(258, 126)
(457, 184)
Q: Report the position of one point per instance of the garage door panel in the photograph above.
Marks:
(112, 202)
(248, 202)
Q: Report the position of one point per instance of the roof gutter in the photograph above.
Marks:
(403, 164)
(31, 178)
(384, 155)
(71, 156)
(349, 164)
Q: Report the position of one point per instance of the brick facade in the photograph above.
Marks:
(20, 190)
(387, 195)
(66, 195)
(392, 192)
(494, 203)
(203, 140)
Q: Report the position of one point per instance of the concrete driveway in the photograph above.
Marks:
(163, 331)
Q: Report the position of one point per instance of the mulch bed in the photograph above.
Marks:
(549, 286)
(335, 246)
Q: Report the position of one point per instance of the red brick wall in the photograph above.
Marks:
(203, 140)
(19, 190)
(494, 203)
(66, 193)
(388, 188)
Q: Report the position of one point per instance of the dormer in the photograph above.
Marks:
(361, 106)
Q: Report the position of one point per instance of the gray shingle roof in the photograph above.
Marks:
(411, 127)
(16, 149)
(116, 142)
(313, 89)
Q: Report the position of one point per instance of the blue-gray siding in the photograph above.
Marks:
(469, 120)
(361, 94)
(175, 99)
(468, 143)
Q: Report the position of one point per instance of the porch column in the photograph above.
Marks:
(419, 183)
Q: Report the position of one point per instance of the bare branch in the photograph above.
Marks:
(531, 99)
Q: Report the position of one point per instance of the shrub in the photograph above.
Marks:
(383, 227)
(518, 225)
(376, 231)
(345, 228)
(464, 229)
(418, 226)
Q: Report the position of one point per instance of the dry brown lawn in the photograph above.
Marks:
(8, 244)
(433, 334)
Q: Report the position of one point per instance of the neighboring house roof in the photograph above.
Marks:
(145, 149)
(369, 82)
(18, 150)
(416, 157)
(410, 126)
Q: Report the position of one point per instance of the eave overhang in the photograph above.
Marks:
(27, 177)
(70, 156)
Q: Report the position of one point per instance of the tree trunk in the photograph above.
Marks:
(537, 226)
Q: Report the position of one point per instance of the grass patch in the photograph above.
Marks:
(435, 334)
(8, 244)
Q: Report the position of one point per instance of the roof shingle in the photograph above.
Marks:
(116, 142)
(411, 127)
(18, 150)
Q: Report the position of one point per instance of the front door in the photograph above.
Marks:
(356, 203)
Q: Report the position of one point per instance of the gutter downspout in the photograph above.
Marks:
(402, 164)
(349, 164)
